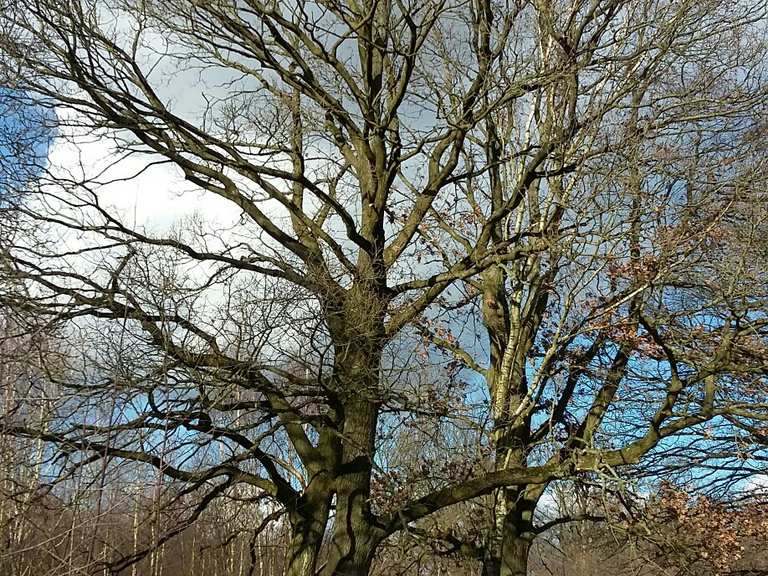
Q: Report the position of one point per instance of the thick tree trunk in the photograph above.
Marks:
(358, 558)
(491, 565)
(355, 538)
(357, 330)
(308, 524)
(513, 563)
(302, 555)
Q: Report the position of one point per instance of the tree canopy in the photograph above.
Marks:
(449, 252)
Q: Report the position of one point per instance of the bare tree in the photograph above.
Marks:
(535, 190)
(659, 271)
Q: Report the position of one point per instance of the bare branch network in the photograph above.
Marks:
(382, 271)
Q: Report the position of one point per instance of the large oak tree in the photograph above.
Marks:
(557, 205)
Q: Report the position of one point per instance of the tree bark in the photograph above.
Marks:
(512, 322)
(308, 524)
(514, 555)
(302, 555)
(356, 325)
(355, 537)
(511, 557)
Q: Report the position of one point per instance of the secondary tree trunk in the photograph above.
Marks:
(510, 556)
(514, 556)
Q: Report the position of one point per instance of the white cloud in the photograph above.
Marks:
(146, 194)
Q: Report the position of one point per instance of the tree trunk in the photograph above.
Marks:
(514, 555)
(357, 330)
(513, 563)
(511, 557)
(309, 519)
(305, 544)
(355, 538)
(491, 565)
(302, 555)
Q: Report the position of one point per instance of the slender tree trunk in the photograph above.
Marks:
(510, 556)
(514, 555)
(512, 323)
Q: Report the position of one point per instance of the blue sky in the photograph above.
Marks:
(25, 136)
